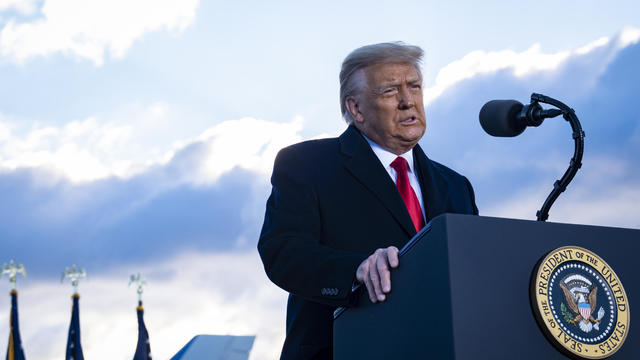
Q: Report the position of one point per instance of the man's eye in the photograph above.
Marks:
(389, 91)
(416, 86)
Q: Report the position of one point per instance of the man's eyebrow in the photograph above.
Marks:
(393, 83)
(389, 84)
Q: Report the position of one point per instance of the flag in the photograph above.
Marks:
(74, 348)
(143, 349)
(14, 349)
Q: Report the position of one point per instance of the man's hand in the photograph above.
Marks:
(375, 272)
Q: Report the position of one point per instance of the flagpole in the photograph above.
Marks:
(74, 345)
(14, 347)
(143, 347)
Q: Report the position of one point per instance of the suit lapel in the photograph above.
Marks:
(435, 192)
(363, 164)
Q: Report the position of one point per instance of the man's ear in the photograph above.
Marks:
(353, 107)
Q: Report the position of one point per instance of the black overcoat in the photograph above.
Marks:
(332, 204)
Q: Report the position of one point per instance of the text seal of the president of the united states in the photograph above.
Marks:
(580, 303)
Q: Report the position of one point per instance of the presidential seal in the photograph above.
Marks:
(580, 303)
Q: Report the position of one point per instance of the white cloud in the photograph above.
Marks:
(483, 62)
(247, 143)
(92, 149)
(628, 37)
(616, 206)
(188, 295)
(591, 198)
(73, 150)
(520, 64)
(91, 28)
(22, 6)
(603, 41)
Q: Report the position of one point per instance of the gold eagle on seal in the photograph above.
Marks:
(581, 296)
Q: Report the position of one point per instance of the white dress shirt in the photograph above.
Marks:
(386, 157)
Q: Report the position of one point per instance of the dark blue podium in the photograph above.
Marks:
(462, 291)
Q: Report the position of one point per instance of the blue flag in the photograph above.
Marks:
(14, 350)
(143, 349)
(74, 348)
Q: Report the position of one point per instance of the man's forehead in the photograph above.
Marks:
(392, 72)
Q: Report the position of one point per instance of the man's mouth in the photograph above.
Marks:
(410, 120)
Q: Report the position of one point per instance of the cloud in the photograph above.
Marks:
(532, 60)
(72, 150)
(92, 149)
(250, 144)
(190, 294)
(512, 176)
(606, 192)
(209, 195)
(21, 6)
(90, 29)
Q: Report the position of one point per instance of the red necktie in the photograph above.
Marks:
(407, 193)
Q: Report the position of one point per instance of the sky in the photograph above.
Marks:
(139, 136)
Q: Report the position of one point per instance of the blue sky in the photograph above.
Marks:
(140, 135)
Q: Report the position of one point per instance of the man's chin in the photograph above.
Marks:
(412, 136)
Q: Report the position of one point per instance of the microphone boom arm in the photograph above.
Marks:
(576, 161)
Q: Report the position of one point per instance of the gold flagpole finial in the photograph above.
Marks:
(140, 282)
(12, 270)
(74, 274)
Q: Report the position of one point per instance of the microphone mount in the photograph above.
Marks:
(532, 114)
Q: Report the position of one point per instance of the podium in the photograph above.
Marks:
(462, 291)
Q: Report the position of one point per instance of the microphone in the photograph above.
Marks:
(508, 118)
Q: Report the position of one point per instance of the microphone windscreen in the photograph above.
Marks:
(498, 118)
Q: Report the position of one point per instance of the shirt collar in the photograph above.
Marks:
(386, 157)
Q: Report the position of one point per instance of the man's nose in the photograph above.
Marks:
(406, 100)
